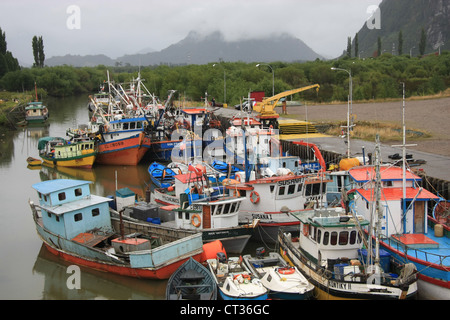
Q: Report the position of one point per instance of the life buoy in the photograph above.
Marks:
(199, 220)
(236, 193)
(242, 278)
(237, 177)
(305, 230)
(287, 270)
(290, 173)
(254, 197)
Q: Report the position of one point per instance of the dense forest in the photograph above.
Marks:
(373, 78)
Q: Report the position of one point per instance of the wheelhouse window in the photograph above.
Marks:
(78, 192)
(326, 238)
(291, 189)
(95, 212)
(78, 217)
(334, 238)
(343, 238)
(353, 237)
(61, 196)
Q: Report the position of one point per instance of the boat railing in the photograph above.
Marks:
(416, 253)
(329, 274)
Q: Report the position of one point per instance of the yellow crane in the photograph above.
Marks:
(266, 108)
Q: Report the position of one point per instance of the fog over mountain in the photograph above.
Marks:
(202, 49)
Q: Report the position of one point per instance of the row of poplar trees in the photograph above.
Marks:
(7, 61)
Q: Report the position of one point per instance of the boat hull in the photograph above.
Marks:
(233, 240)
(161, 273)
(268, 232)
(224, 296)
(331, 289)
(85, 161)
(433, 282)
(86, 256)
(128, 151)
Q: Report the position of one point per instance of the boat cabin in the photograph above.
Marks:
(68, 208)
(418, 201)
(281, 193)
(329, 235)
(59, 148)
(128, 125)
(217, 212)
(36, 112)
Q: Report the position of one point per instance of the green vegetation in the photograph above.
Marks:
(373, 78)
(38, 51)
(7, 61)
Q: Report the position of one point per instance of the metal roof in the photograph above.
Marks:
(50, 186)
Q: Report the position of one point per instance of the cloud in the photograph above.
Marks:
(116, 27)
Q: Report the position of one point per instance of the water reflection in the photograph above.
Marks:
(93, 284)
(29, 271)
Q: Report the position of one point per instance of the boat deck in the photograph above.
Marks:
(428, 247)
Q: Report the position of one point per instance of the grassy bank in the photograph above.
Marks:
(9, 100)
(367, 131)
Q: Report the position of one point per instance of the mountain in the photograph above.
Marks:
(408, 16)
(197, 49)
(80, 61)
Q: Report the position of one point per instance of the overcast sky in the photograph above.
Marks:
(115, 28)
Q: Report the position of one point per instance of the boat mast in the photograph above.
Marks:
(378, 207)
(404, 145)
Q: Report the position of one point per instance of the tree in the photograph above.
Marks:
(423, 42)
(2, 42)
(349, 47)
(7, 61)
(400, 43)
(38, 51)
(356, 46)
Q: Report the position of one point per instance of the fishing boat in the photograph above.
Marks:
(329, 253)
(122, 142)
(56, 151)
(409, 231)
(216, 218)
(199, 210)
(77, 226)
(161, 175)
(191, 281)
(33, 162)
(283, 281)
(36, 112)
(273, 199)
(195, 178)
(121, 125)
(234, 280)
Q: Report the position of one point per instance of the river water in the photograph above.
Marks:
(27, 270)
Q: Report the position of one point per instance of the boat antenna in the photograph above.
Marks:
(35, 91)
(404, 145)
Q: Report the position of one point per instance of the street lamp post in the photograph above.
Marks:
(351, 86)
(349, 107)
(273, 76)
(224, 85)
